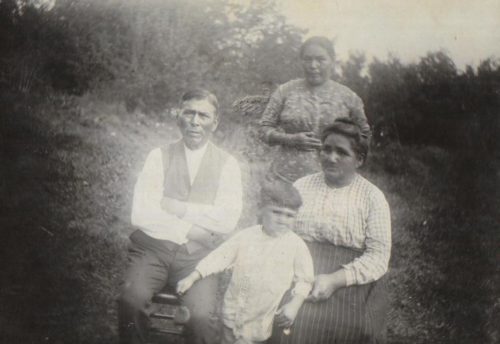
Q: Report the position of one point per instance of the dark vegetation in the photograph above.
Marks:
(84, 87)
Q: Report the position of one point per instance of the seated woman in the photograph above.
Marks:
(300, 109)
(345, 222)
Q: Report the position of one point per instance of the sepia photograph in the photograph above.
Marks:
(249, 171)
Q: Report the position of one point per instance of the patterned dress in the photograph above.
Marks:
(345, 228)
(297, 107)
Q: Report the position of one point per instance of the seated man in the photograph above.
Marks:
(187, 198)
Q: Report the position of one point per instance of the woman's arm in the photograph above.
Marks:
(271, 133)
(374, 262)
(269, 123)
(323, 285)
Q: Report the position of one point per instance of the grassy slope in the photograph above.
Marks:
(67, 192)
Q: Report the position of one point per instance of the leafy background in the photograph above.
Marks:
(88, 87)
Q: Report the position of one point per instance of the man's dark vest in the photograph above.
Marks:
(206, 183)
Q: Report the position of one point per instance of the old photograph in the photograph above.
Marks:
(249, 171)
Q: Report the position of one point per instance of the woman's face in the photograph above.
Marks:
(317, 64)
(338, 160)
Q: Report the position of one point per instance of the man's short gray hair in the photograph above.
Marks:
(200, 94)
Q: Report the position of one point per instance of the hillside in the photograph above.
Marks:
(68, 168)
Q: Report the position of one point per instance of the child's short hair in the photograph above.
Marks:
(280, 193)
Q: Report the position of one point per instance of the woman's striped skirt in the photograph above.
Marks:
(356, 314)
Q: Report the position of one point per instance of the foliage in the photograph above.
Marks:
(430, 102)
(84, 86)
(144, 53)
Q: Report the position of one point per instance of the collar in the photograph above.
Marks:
(199, 151)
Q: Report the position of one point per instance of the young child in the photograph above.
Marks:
(265, 260)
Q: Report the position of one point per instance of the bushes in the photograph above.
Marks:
(442, 206)
(84, 98)
(145, 54)
(411, 178)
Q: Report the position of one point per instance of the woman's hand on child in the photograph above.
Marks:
(185, 284)
(326, 284)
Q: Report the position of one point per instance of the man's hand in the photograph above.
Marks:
(184, 284)
(285, 316)
(205, 237)
(174, 207)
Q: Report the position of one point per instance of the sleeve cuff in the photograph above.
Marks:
(350, 277)
(200, 271)
(302, 289)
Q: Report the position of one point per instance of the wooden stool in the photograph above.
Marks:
(169, 320)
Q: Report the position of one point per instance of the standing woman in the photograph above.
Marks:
(345, 222)
(300, 109)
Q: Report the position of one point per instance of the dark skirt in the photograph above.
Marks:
(356, 314)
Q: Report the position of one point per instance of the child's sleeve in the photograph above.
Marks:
(222, 257)
(303, 271)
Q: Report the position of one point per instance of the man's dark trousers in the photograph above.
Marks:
(152, 265)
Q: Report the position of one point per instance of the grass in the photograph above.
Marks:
(70, 165)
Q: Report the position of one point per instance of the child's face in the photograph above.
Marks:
(277, 220)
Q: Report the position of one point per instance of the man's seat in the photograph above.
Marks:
(169, 319)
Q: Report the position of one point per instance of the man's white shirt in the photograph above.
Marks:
(220, 217)
(193, 160)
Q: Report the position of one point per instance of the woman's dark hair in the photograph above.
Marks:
(352, 130)
(321, 41)
(200, 94)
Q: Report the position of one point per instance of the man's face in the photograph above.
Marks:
(197, 121)
(277, 220)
